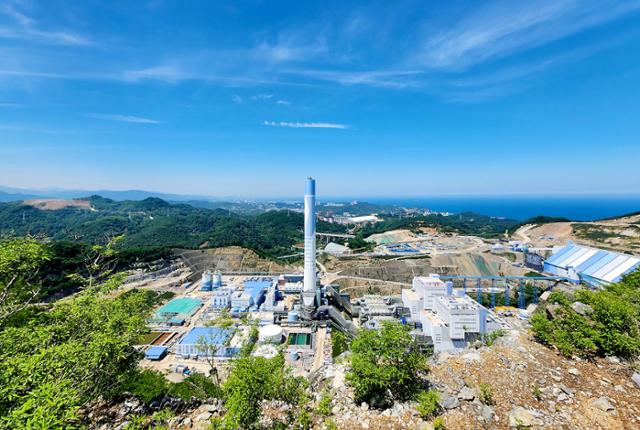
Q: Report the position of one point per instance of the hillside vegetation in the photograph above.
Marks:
(154, 223)
(593, 323)
(464, 223)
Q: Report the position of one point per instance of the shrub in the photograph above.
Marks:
(438, 424)
(339, 343)
(428, 405)
(486, 394)
(324, 404)
(611, 329)
(385, 365)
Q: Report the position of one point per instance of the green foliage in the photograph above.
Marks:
(438, 424)
(339, 343)
(486, 394)
(360, 245)
(20, 261)
(490, 338)
(149, 385)
(253, 379)
(152, 226)
(324, 404)
(330, 424)
(385, 361)
(537, 393)
(58, 360)
(463, 223)
(428, 406)
(611, 329)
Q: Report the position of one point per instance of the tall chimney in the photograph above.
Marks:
(309, 290)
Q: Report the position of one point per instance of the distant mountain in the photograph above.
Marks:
(15, 197)
(119, 195)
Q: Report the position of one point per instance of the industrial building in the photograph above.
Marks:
(177, 311)
(156, 353)
(449, 317)
(221, 298)
(216, 339)
(593, 267)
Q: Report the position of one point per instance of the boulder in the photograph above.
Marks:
(487, 413)
(553, 310)
(636, 378)
(581, 308)
(520, 417)
(448, 402)
(603, 403)
(568, 391)
(574, 371)
(467, 393)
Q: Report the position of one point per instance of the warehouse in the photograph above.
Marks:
(177, 311)
(206, 341)
(594, 267)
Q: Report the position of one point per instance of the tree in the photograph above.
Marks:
(56, 361)
(20, 262)
(385, 364)
(253, 379)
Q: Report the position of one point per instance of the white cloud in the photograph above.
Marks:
(305, 124)
(237, 99)
(503, 28)
(262, 97)
(26, 30)
(283, 102)
(124, 118)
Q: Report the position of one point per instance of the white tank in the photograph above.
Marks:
(217, 279)
(271, 333)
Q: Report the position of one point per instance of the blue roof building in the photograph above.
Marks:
(155, 353)
(215, 338)
(257, 290)
(591, 266)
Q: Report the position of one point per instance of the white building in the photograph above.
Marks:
(221, 298)
(430, 287)
(241, 300)
(448, 317)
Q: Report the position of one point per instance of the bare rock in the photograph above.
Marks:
(581, 308)
(448, 402)
(520, 417)
(603, 403)
(467, 393)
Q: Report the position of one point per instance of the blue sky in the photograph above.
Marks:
(247, 98)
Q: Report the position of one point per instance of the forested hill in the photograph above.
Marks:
(154, 223)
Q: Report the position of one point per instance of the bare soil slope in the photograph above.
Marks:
(55, 204)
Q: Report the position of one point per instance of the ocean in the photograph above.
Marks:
(578, 208)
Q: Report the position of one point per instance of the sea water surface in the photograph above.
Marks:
(579, 208)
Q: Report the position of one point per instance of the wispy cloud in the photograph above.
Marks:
(262, 97)
(396, 79)
(502, 28)
(26, 29)
(283, 102)
(305, 124)
(237, 99)
(11, 105)
(123, 118)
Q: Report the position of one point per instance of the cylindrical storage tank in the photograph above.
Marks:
(270, 334)
(292, 316)
(207, 279)
(217, 279)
